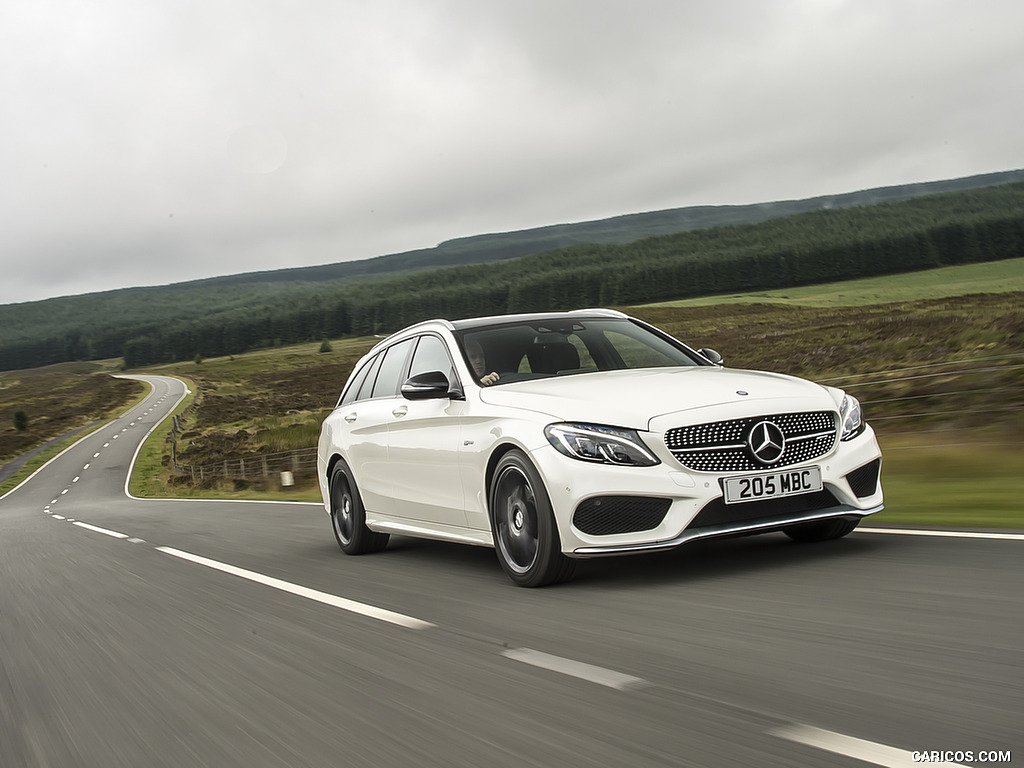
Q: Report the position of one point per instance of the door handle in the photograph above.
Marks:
(350, 417)
(400, 411)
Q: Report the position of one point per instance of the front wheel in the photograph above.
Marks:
(348, 518)
(523, 525)
(821, 530)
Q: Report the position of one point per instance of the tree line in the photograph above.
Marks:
(953, 228)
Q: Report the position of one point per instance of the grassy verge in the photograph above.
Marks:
(960, 480)
(152, 465)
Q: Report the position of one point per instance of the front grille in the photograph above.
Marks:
(864, 481)
(717, 512)
(604, 515)
(721, 446)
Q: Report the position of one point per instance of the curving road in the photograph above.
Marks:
(193, 633)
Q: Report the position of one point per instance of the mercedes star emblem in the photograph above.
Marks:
(766, 441)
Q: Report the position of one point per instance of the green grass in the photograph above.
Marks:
(956, 481)
(990, 277)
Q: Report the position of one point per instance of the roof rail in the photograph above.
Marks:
(598, 311)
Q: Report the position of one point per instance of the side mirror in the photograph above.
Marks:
(711, 355)
(431, 385)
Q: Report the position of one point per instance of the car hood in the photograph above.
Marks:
(658, 398)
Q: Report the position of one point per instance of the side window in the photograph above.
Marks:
(430, 355)
(391, 369)
(353, 389)
(371, 375)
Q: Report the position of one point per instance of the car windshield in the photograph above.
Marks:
(541, 349)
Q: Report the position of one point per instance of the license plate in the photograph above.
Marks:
(772, 485)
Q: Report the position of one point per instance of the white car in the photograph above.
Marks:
(554, 437)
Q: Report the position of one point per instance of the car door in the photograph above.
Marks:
(424, 440)
(365, 421)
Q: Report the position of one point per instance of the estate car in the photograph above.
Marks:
(559, 436)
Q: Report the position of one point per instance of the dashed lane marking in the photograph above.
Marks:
(104, 531)
(858, 749)
(578, 669)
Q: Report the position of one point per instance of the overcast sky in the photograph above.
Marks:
(146, 142)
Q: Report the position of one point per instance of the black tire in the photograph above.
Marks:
(822, 530)
(525, 535)
(348, 518)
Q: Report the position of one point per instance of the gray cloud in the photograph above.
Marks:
(146, 143)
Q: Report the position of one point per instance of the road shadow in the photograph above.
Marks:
(714, 559)
(697, 561)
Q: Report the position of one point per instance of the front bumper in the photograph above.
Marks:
(727, 529)
(693, 503)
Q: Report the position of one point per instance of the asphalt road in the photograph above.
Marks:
(172, 633)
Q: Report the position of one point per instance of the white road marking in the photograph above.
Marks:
(96, 455)
(135, 540)
(858, 749)
(77, 478)
(578, 669)
(64, 491)
(58, 517)
(946, 534)
(104, 531)
(86, 466)
(105, 445)
(311, 594)
(116, 436)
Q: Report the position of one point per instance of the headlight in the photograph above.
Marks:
(850, 417)
(605, 445)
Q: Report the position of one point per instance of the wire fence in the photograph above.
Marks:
(953, 378)
(297, 463)
(960, 393)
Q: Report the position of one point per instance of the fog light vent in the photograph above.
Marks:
(605, 515)
(864, 481)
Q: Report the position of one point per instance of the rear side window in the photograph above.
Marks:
(371, 375)
(353, 390)
(391, 369)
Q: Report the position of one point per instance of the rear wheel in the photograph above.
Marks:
(821, 530)
(348, 518)
(525, 534)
